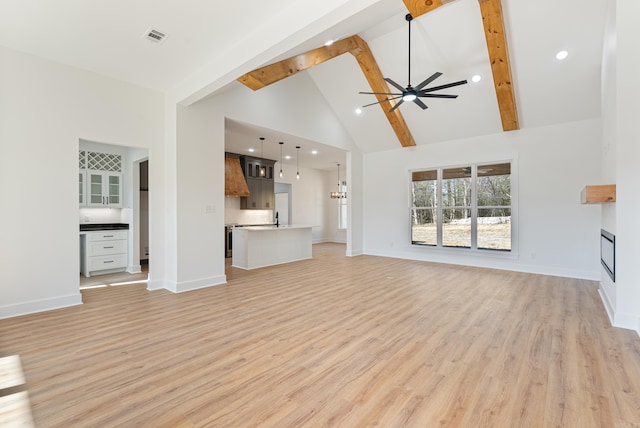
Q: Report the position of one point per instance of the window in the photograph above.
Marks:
(463, 207)
(342, 207)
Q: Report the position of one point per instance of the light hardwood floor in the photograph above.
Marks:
(114, 278)
(334, 341)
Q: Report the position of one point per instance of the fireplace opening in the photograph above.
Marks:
(608, 253)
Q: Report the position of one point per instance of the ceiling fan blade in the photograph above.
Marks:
(437, 96)
(378, 102)
(394, 84)
(379, 93)
(422, 105)
(430, 79)
(448, 85)
(396, 106)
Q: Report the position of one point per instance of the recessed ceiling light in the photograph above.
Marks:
(314, 152)
(328, 42)
(562, 55)
(476, 78)
(251, 150)
(358, 111)
(287, 157)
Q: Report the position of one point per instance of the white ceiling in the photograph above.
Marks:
(240, 137)
(106, 37)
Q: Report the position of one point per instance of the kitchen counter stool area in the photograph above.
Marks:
(261, 246)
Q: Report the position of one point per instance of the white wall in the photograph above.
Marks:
(310, 202)
(199, 200)
(333, 233)
(621, 109)
(198, 236)
(609, 115)
(556, 234)
(45, 108)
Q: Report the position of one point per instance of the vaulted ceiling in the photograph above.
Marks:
(389, 101)
(217, 43)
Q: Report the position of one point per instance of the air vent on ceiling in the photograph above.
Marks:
(154, 35)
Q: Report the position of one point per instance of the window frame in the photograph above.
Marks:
(473, 249)
(342, 205)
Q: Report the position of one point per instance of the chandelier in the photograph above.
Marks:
(338, 194)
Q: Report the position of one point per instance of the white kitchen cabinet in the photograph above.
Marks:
(82, 191)
(104, 189)
(103, 252)
(100, 179)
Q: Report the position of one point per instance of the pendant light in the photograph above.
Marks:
(262, 170)
(338, 194)
(281, 144)
(297, 162)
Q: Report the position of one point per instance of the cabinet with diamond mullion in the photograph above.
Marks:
(82, 189)
(104, 189)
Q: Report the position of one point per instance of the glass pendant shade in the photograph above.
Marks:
(262, 170)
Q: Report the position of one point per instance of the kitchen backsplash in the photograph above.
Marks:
(234, 215)
(104, 215)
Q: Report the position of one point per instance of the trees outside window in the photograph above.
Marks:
(464, 207)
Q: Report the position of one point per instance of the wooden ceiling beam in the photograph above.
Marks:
(374, 76)
(499, 56)
(493, 22)
(420, 7)
(355, 45)
(264, 76)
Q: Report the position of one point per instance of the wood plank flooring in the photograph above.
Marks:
(334, 341)
(114, 278)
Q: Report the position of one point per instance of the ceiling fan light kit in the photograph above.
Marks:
(411, 93)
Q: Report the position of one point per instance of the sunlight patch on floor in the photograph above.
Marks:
(15, 407)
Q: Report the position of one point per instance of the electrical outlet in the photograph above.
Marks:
(86, 219)
(209, 208)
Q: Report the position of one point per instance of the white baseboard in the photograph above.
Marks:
(197, 284)
(134, 269)
(488, 260)
(157, 284)
(40, 306)
(608, 307)
(618, 319)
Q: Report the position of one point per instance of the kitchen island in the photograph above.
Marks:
(260, 246)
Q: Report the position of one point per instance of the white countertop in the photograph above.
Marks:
(273, 227)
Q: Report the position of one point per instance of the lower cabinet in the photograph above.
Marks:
(103, 252)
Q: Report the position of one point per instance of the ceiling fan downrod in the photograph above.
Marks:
(409, 18)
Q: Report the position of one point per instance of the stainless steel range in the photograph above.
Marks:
(228, 241)
(228, 236)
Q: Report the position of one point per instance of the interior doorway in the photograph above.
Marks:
(144, 212)
(129, 215)
(283, 203)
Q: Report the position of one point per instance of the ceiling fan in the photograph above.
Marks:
(411, 93)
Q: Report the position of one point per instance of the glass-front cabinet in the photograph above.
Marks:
(82, 185)
(100, 179)
(105, 189)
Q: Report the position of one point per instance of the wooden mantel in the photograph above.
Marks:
(598, 194)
